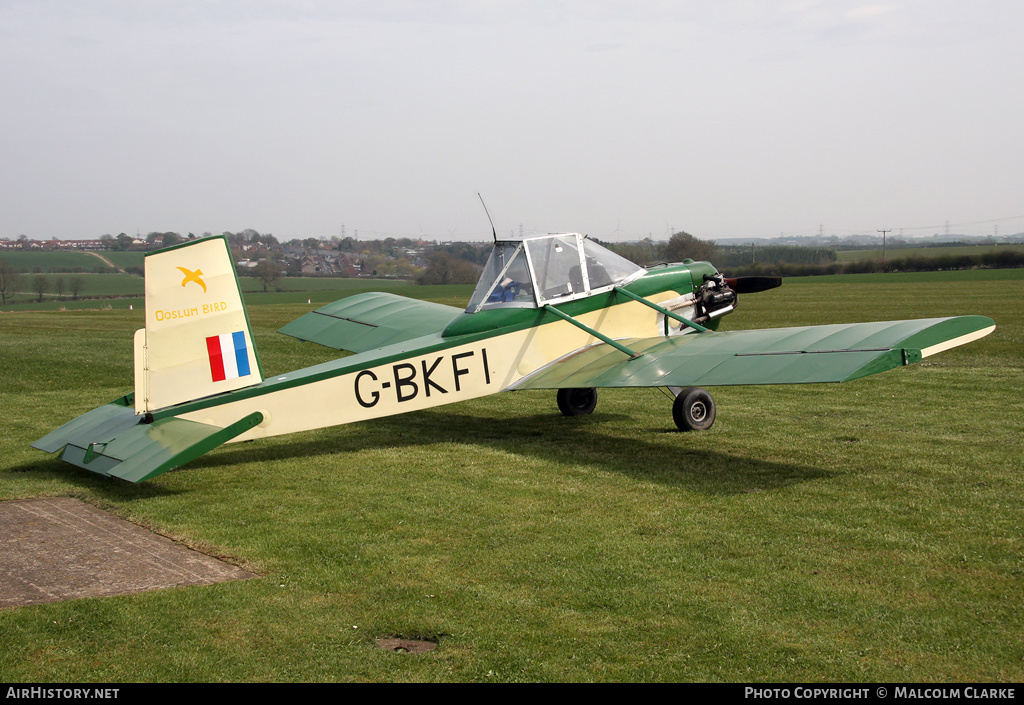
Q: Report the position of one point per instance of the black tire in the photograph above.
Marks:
(577, 402)
(694, 410)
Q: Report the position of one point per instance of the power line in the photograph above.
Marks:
(947, 224)
(883, 240)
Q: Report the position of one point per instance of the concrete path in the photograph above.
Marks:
(62, 549)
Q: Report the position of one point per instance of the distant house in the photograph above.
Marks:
(313, 264)
(73, 244)
(345, 266)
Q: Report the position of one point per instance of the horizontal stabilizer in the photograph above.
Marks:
(112, 440)
(370, 321)
(832, 353)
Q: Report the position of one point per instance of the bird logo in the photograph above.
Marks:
(191, 276)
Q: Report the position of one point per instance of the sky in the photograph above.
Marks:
(619, 119)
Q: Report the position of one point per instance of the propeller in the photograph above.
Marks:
(750, 285)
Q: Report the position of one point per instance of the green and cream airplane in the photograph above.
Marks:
(549, 312)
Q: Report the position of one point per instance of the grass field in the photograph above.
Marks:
(897, 253)
(980, 277)
(119, 291)
(861, 532)
(46, 261)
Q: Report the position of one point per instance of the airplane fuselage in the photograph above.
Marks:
(477, 354)
(555, 312)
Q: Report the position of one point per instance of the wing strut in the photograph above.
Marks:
(618, 346)
(662, 310)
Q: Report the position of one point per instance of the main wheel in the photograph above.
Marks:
(577, 402)
(693, 410)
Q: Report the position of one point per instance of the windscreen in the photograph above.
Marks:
(605, 268)
(564, 267)
(505, 280)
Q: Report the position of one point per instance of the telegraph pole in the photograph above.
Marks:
(883, 241)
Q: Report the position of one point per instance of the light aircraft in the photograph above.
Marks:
(549, 312)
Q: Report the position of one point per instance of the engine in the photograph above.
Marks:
(714, 298)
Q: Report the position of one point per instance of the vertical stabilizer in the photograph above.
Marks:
(197, 341)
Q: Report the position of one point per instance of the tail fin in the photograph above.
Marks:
(197, 341)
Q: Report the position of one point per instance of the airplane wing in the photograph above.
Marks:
(830, 353)
(369, 321)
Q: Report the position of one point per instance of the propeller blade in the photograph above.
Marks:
(750, 285)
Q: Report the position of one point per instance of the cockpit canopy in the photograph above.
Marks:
(548, 269)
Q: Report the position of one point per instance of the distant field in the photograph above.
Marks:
(94, 285)
(125, 259)
(864, 532)
(890, 253)
(52, 261)
(957, 275)
(297, 290)
(322, 291)
(323, 284)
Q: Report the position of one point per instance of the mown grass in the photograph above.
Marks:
(860, 532)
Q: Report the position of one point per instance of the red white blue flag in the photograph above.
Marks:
(229, 356)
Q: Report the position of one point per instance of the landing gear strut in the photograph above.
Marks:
(693, 410)
(577, 402)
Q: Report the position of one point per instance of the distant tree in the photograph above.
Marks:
(474, 252)
(405, 268)
(685, 246)
(60, 287)
(122, 242)
(10, 280)
(644, 252)
(40, 285)
(76, 284)
(443, 268)
(107, 242)
(268, 271)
